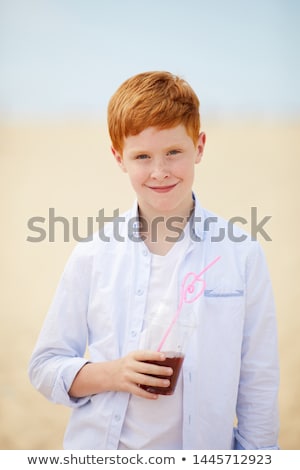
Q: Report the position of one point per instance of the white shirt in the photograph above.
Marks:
(140, 428)
(231, 367)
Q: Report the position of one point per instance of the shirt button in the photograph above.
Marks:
(117, 417)
(140, 292)
(145, 252)
(133, 333)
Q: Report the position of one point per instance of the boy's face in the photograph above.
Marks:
(160, 165)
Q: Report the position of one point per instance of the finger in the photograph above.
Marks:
(151, 362)
(154, 369)
(140, 392)
(148, 355)
(152, 381)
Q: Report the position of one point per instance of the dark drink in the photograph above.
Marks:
(173, 360)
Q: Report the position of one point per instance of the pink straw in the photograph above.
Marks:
(189, 289)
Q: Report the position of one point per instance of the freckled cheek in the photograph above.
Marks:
(182, 172)
(138, 178)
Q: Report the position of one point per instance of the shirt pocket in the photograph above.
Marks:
(224, 288)
(221, 318)
(223, 294)
(224, 303)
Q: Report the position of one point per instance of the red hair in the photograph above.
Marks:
(152, 99)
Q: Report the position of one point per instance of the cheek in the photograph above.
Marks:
(137, 176)
(184, 171)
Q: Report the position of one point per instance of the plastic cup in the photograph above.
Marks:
(174, 349)
(173, 360)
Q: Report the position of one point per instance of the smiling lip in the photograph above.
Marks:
(162, 189)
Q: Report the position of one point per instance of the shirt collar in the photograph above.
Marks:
(196, 221)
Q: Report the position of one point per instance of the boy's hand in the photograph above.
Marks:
(124, 375)
(131, 371)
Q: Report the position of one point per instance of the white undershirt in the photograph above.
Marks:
(157, 424)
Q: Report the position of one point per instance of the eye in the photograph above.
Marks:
(173, 152)
(142, 156)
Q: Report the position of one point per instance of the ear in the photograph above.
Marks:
(119, 159)
(200, 147)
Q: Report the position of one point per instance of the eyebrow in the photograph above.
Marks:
(176, 145)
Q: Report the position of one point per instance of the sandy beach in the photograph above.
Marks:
(67, 166)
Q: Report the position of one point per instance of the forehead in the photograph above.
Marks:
(152, 137)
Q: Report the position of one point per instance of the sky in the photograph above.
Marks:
(65, 58)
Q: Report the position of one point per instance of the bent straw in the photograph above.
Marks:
(183, 296)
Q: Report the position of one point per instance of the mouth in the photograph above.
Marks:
(162, 189)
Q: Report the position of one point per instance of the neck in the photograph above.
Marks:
(161, 231)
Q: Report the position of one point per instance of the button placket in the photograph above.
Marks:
(138, 302)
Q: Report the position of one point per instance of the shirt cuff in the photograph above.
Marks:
(64, 381)
(241, 444)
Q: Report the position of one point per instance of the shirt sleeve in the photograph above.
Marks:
(59, 352)
(257, 404)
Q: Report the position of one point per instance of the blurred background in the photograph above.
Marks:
(60, 61)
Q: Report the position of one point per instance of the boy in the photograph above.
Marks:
(111, 287)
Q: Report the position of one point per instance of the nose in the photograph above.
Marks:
(160, 169)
